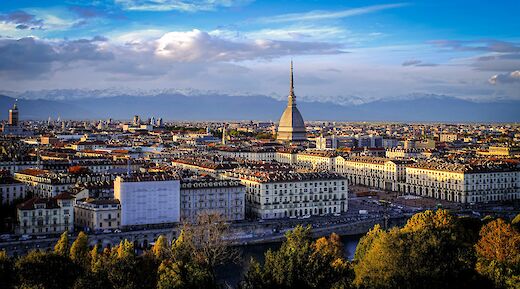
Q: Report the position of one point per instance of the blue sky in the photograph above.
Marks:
(344, 51)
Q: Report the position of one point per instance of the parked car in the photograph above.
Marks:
(24, 237)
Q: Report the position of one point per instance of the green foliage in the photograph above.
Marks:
(79, 253)
(264, 135)
(434, 250)
(498, 252)
(95, 259)
(93, 280)
(48, 270)
(301, 263)
(62, 246)
(365, 243)
(428, 252)
(7, 271)
(132, 272)
(184, 275)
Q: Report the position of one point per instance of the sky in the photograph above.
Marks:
(350, 51)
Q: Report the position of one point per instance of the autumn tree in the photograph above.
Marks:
(79, 252)
(516, 222)
(62, 246)
(428, 252)
(177, 274)
(161, 249)
(498, 252)
(193, 257)
(301, 263)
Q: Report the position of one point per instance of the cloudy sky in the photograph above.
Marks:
(344, 51)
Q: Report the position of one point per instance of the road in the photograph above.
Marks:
(261, 231)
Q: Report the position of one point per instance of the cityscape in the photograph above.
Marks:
(144, 146)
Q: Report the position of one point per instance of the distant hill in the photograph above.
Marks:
(176, 106)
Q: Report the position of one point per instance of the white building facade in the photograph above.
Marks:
(148, 199)
(290, 194)
(463, 183)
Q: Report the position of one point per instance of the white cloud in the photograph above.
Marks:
(198, 45)
(322, 15)
(179, 5)
(299, 33)
(513, 77)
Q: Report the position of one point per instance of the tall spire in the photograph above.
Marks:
(292, 97)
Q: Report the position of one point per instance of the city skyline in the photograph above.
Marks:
(346, 53)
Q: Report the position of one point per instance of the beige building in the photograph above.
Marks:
(463, 183)
(272, 194)
(97, 214)
(382, 173)
(201, 195)
(316, 160)
(448, 137)
(501, 151)
(286, 156)
(416, 153)
(40, 216)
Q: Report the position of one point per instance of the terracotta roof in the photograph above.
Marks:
(50, 203)
(64, 196)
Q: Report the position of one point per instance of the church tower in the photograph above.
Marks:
(13, 115)
(291, 127)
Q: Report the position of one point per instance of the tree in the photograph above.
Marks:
(301, 263)
(184, 275)
(79, 253)
(516, 222)
(132, 272)
(161, 249)
(48, 270)
(125, 249)
(95, 259)
(498, 252)
(62, 246)
(93, 280)
(206, 237)
(365, 243)
(185, 268)
(428, 252)
(7, 271)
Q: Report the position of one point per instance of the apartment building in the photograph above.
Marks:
(464, 183)
(40, 216)
(209, 195)
(278, 192)
(382, 173)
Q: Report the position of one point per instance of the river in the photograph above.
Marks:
(232, 273)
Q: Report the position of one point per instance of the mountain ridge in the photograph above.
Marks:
(178, 106)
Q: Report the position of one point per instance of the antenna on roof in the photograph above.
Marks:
(128, 172)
